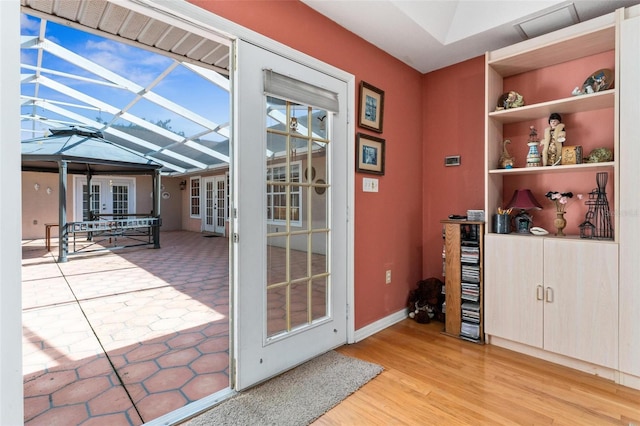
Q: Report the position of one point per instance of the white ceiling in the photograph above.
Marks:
(432, 34)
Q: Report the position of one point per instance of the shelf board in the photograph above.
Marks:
(462, 221)
(545, 51)
(580, 103)
(569, 237)
(605, 166)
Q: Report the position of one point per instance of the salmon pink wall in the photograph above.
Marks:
(388, 224)
(453, 102)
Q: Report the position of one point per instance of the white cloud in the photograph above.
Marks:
(134, 64)
(29, 24)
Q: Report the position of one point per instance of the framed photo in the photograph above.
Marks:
(371, 107)
(369, 154)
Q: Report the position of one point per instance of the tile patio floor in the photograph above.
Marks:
(123, 337)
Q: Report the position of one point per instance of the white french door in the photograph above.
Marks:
(109, 196)
(215, 200)
(290, 227)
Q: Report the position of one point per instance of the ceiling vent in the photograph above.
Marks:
(552, 21)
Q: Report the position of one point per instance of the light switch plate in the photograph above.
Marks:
(369, 185)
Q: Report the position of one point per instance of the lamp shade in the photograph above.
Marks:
(523, 199)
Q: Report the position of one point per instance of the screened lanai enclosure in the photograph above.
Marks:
(131, 90)
(146, 86)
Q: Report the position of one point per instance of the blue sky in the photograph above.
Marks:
(181, 86)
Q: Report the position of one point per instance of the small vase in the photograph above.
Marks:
(533, 156)
(560, 222)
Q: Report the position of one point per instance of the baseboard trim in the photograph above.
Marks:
(587, 367)
(629, 380)
(381, 324)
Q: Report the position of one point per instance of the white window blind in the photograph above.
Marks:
(293, 90)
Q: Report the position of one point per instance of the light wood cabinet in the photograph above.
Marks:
(581, 300)
(630, 201)
(463, 274)
(513, 272)
(554, 294)
(570, 300)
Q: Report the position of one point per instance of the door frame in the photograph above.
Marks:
(11, 386)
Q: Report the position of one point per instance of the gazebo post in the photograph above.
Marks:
(156, 206)
(63, 235)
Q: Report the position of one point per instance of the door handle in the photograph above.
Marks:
(549, 294)
(539, 292)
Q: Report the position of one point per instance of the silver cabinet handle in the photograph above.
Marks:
(549, 294)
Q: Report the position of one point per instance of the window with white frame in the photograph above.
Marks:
(194, 187)
(277, 194)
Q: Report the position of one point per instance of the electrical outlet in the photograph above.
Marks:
(388, 277)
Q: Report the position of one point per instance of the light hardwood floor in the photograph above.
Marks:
(433, 379)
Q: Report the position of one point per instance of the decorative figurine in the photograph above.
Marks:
(510, 100)
(506, 161)
(554, 136)
(533, 156)
(600, 155)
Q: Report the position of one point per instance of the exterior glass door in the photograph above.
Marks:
(215, 199)
(110, 197)
(289, 215)
(220, 212)
(208, 221)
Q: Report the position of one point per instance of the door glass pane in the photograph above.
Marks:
(276, 259)
(319, 186)
(209, 202)
(298, 278)
(300, 304)
(298, 256)
(221, 197)
(319, 298)
(319, 247)
(277, 310)
(89, 213)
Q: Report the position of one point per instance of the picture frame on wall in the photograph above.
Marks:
(371, 107)
(369, 154)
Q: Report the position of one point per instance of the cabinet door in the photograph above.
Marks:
(512, 288)
(581, 300)
(629, 200)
